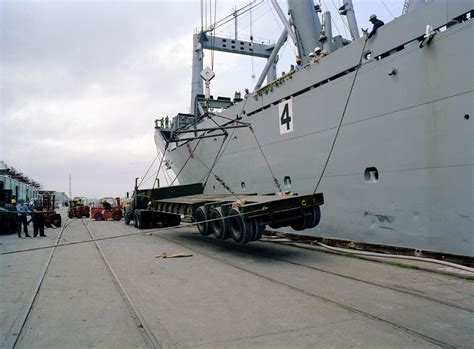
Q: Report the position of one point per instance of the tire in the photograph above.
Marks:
(240, 229)
(316, 216)
(57, 220)
(87, 215)
(116, 216)
(258, 227)
(201, 219)
(128, 217)
(70, 215)
(218, 224)
(98, 217)
(306, 222)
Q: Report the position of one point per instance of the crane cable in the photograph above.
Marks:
(275, 179)
(343, 113)
(215, 160)
(159, 166)
(149, 168)
(186, 162)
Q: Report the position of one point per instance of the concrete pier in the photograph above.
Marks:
(261, 295)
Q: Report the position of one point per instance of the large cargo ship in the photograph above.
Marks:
(383, 127)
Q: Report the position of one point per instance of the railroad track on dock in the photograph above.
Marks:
(339, 304)
(249, 250)
(19, 325)
(322, 270)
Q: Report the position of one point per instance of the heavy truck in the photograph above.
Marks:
(242, 217)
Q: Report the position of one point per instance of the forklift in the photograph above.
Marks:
(107, 208)
(78, 208)
(50, 217)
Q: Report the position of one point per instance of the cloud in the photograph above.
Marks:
(82, 82)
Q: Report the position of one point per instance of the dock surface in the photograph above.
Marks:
(118, 292)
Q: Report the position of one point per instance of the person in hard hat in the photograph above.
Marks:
(377, 24)
(298, 66)
(311, 58)
(23, 211)
(319, 53)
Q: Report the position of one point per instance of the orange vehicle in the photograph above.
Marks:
(107, 208)
(78, 208)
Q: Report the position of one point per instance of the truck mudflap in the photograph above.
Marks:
(146, 219)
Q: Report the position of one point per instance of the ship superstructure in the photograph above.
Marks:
(383, 127)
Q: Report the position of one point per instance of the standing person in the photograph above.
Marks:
(38, 224)
(377, 24)
(22, 210)
(311, 58)
(298, 66)
(319, 53)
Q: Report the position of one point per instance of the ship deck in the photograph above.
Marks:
(118, 291)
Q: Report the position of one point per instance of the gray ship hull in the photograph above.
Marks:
(401, 171)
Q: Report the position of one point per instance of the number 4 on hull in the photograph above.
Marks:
(285, 116)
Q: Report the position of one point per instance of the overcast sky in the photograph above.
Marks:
(82, 82)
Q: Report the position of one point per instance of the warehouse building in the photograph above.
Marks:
(22, 187)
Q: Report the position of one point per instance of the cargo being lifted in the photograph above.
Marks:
(242, 217)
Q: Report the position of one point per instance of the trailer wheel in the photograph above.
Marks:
(316, 216)
(240, 229)
(98, 217)
(257, 228)
(218, 224)
(201, 219)
(305, 222)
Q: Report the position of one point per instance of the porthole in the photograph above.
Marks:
(243, 186)
(371, 175)
(368, 55)
(287, 181)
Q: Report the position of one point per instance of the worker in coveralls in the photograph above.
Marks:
(377, 24)
(38, 223)
(22, 210)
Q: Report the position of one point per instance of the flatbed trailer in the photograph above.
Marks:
(242, 217)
